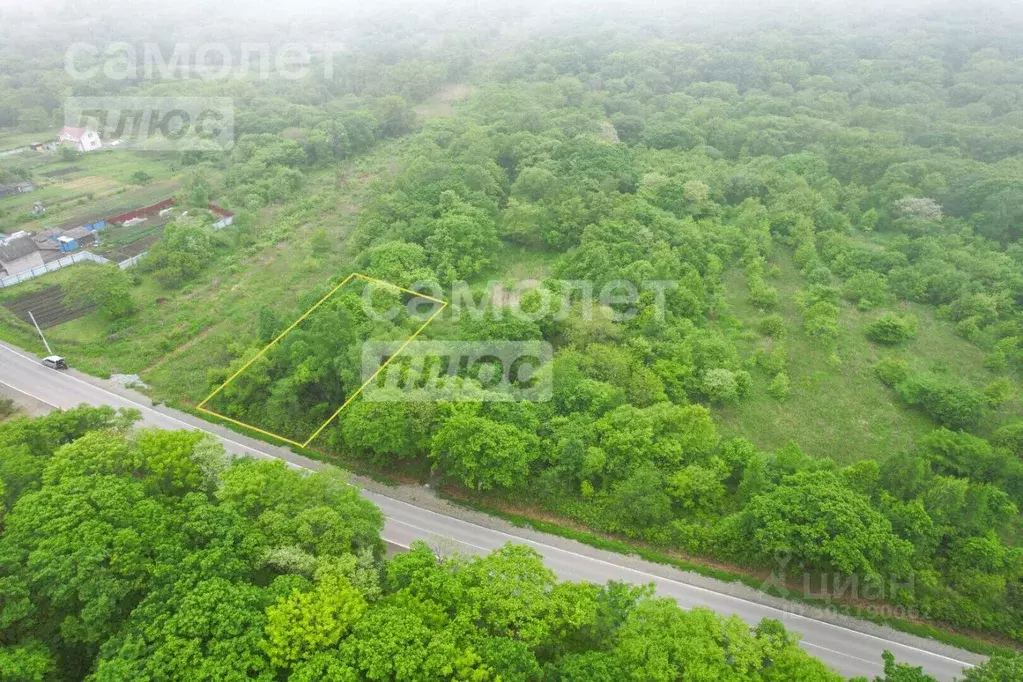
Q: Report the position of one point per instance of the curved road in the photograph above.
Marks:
(850, 647)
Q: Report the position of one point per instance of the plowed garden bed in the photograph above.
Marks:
(48, 307)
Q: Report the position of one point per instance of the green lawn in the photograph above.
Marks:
(843, 411)
(120, 164)
(15, 140)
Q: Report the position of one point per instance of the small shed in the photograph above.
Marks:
(82, 235)
(67, 243)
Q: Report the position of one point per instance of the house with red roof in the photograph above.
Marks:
(84, 140)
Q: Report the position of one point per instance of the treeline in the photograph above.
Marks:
(143, 554)
(665, 161)
(354, 53)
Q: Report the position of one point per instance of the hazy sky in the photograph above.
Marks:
(50, 22)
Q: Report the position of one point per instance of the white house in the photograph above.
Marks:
(84, 140)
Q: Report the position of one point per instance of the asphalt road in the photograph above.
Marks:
(850, 647)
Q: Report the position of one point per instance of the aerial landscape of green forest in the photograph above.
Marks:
(816, 217)
(155, 558)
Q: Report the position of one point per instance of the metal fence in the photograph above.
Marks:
(80, 257)
(131, 261)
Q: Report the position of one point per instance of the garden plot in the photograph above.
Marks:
(48, 307)
(122, 241)
(124, 199)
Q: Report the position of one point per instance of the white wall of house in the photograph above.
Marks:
(90, 140)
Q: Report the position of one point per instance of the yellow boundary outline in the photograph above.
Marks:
(443, 304)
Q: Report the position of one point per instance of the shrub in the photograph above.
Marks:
(949, 404)
(969, 329)
(819, 275)
(918, 208)
(744, 383)
(721, 385)
(763, 296)
(996, 362)
(867, 289)
(891, 329)
(998, 392)
(868, 221)
(779, 387)
(772, 325)
(891, 371)
(105, 286)
(774, 361)
(996, 669)
(184, 249)
(821, 322)
(1010, 437)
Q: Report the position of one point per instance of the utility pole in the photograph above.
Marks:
(40, 332)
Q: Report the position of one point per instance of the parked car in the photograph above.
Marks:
(55, 362)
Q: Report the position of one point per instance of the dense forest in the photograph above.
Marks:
(140, 554)
(130, 555)
(884, 171)
(837, 200)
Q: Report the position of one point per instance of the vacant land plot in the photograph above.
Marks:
(60, 172)
(92, 183)
(133, 248)
(211, 404)
(120, 165)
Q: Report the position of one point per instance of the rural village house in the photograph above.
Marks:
(19, 253)
(84, 140)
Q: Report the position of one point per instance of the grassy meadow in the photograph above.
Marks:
(840, 410)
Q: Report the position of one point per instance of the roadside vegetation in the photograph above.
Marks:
(830, 388)
(142, 553)
(146, 554)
